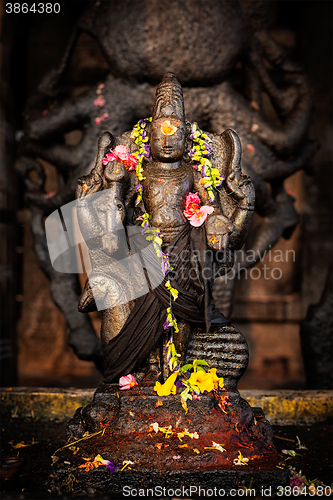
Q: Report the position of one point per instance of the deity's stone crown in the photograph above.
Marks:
(169, 99)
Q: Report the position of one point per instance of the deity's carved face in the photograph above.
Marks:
(167, 139)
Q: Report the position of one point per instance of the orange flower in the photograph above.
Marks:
(167, 128)
(90, 465)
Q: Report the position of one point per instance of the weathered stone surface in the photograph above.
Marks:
(292, 407)
(215, 482)
(42, 403)
(317, 341)
(163, 456)
(280, 407)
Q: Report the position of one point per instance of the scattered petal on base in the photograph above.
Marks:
(127, 382)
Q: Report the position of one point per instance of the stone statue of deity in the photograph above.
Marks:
(182, 191)
(163, 212)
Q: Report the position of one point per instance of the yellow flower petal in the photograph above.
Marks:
(168, 387)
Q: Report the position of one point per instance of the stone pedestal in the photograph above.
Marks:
(124, 421)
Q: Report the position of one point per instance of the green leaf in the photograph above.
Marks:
(186, 368)
(198, 362)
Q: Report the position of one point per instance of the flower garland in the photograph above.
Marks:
(201, 154)
(199, 380)
(139, 134)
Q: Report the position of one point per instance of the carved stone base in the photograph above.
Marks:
(125, 420)
(153, 483)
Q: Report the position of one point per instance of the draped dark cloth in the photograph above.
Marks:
(192, 276)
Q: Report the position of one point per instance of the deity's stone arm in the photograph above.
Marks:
(241, 217)
(228, 226)
(87, 188)
(130, 180)
(237, 194)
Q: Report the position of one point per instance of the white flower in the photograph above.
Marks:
(216, 446)
(241, 460)
(155, 427)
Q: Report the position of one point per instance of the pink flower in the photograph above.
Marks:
(108, 157)
(99, 119)
(99, 101)
(50, 195)
(296, 481)
(193, 212)
(121, 153)
(126, 382)
(132, 162)
(192, 205)
(200, 216)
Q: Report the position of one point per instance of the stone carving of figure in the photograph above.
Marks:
(134, 332)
